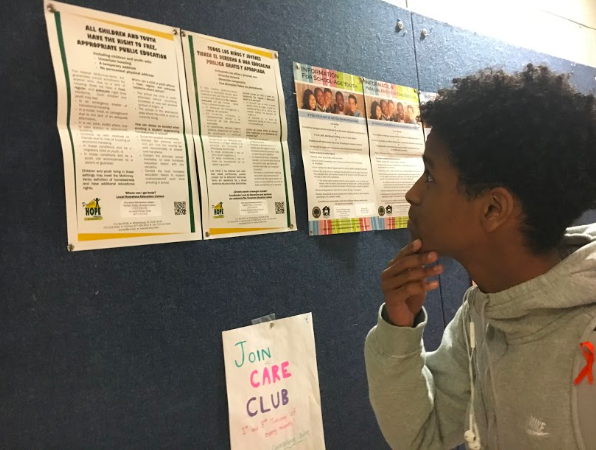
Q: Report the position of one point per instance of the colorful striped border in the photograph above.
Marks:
(356, 225)
(389, 223)
(339, 226)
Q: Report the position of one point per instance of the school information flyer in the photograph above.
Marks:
(123, 120)
(339, 183)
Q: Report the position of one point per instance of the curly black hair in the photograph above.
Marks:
(530, 132)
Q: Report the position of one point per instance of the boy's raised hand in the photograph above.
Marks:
(404, 283)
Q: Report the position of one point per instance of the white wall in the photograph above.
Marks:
(562, 28)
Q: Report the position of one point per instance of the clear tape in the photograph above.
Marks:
(267, 318)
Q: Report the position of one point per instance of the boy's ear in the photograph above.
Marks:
(498, 208)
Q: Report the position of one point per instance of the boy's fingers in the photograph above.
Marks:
(409, 290)
(417, 274)
(409, 249)
(408, 262)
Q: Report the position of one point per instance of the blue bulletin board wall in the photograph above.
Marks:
(122, 347)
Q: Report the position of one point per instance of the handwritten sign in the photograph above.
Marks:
(273, 386)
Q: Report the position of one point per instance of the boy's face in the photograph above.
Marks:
(352, 104)
(440, 215)
(320, 97)
(384, 107)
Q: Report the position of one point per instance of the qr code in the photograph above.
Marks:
(280, 207)
(180, 208)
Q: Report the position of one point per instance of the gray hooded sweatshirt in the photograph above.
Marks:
(510, 380)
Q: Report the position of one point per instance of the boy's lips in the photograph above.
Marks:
(411, 222)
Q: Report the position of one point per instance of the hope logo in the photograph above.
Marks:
(218, 211)
(92, 210)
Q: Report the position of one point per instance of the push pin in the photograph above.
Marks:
(51, 8)
(424, 33)
(175, 31)
(182, 33)
(207, 234)
(400, 25)
(70, 247)
(297, 66)
(291, 226)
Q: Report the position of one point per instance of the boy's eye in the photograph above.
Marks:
(428, 177)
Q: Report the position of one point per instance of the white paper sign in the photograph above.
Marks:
(273, 386)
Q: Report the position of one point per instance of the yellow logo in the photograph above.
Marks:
(218, 211)
(92, 210)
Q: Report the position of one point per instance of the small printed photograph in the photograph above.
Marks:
(325, 99)
(401, 111)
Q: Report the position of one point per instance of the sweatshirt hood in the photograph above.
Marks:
(533, 307)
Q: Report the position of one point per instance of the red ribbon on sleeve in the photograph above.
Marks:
(588, 349)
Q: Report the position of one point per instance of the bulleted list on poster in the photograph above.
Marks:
(240, 131)
(396, 148)
(340, 191)
(129, 163)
